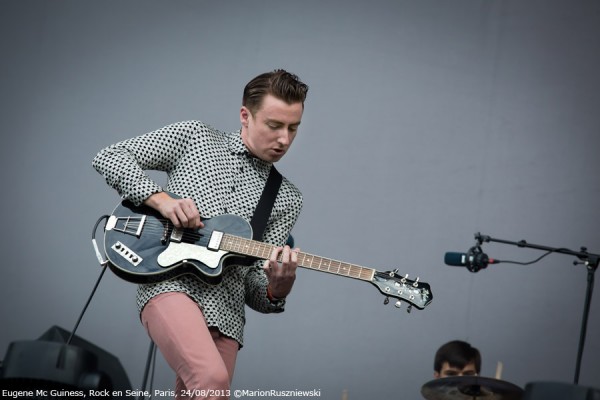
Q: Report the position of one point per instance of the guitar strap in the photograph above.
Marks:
(265, 204)
(261, 213)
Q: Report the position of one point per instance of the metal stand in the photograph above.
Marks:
(104, 263)
(149, 363)
(590, 260)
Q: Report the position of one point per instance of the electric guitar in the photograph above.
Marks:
(144, 247)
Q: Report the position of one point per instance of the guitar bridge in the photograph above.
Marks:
(128, 225)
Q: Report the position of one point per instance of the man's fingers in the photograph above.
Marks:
(183, 213)
(285, 254)
(275, 254)
(294, 255)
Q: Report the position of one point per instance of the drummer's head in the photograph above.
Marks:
(456, 358)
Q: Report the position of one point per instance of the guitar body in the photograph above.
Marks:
(144, 247)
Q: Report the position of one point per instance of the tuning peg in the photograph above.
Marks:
(416, 282)
(409, 308)
(403, 280)
(393, 273)
(386, 301)
(398, 304)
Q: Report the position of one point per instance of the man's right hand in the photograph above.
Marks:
(183, 213)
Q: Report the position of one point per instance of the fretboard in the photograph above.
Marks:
(263, 251)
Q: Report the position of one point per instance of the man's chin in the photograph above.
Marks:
(274, 157)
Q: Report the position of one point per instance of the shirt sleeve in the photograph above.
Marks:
(123, 164)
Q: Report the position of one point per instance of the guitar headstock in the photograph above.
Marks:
(414, 292)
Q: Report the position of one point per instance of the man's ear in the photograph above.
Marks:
(436, 374)
(244, 116)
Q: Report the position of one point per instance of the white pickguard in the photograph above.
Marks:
(178, 252)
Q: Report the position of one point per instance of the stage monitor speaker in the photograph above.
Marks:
(48, 364)
(559, 391)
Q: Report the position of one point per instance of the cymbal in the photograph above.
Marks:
(470, 388)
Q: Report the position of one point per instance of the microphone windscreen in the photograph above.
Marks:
(455, 259)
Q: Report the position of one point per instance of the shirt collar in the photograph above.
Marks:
(236, 146)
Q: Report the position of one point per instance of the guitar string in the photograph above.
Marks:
(265, 249)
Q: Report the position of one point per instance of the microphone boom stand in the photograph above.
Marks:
(590, 260)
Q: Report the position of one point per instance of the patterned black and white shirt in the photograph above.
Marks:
(216, 170)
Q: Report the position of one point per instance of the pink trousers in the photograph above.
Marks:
(201, 357)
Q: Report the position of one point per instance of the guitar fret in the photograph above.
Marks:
(335, 267)
(330, 265)
(246, 247)
(265, 252)
(344, 268)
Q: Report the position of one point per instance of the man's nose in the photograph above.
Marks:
(284, 137)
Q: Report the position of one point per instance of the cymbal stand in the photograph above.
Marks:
(590, 260)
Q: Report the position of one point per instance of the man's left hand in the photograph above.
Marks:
(281, 273)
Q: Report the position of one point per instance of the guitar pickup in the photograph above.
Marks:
(127, 253)
(215, 241)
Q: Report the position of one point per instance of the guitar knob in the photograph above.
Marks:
(398, 304)
(386, 301)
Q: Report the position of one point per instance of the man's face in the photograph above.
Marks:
(450, 370)
(269, 133)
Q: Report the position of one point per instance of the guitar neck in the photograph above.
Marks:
(263, 251)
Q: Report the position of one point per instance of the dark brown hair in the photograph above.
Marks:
(458, 354)
(279, 83)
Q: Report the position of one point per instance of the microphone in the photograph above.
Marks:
(474, 259)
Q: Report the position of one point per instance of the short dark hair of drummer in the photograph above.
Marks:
(456, 358)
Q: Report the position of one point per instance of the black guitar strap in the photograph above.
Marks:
(265, 204)
(261, 213)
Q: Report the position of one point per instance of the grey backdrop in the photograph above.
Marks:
(426, 122)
